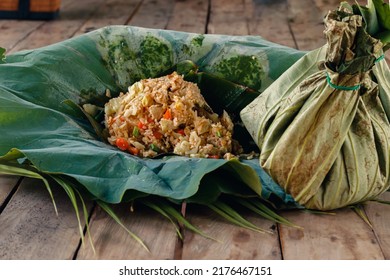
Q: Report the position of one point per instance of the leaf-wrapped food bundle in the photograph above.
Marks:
(324, 132)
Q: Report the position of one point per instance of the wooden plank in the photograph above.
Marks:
(14, 31)
(112, 242)
(262, 17)
(325, 6)
(234, 243)
(341, 236)
(189, 16)
(379, 216)
(328, 5)
(7, 184)
(306, 22)
(268, 19)
(30, 228)
(72, 18)
(153, 14)
(111, 12)
(228, 17)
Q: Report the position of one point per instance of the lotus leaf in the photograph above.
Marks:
(41, 131)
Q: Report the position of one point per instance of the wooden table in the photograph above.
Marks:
(29, 227)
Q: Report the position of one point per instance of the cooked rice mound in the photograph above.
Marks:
(165, 115)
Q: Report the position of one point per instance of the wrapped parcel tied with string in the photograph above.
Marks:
(323, 127)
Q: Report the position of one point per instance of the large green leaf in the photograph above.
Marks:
(376, 15)
(40, 128)
(370, 17)
(383, 13)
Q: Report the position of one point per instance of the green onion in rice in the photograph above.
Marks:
(168, 115)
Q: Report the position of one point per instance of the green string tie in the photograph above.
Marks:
(380, 58)
(340, 87)
(352, 87)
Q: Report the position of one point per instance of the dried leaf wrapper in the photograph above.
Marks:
(323, 127)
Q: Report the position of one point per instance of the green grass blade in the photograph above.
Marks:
(177, 215)
(318, 212)
(362, 214)
(234, 217)
(69, 191)
(86, 215)
(163, 213)
(6, 169)
(381, 201)
(110, 212)
(264, 211)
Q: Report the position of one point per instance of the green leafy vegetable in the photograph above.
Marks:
(155, 55)
(241, 69)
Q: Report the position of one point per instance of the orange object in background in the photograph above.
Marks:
(29, 9)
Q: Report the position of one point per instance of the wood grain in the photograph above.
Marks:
(7, 184)
(379, 216)
(306, 22)
(234, 243)
(72, 18)
(113, 242)
(153, 14)
(189, 16)
(112, 12)
(14, 31)
(30, 228)
(268, 19)
(228, 17)
(343, 236)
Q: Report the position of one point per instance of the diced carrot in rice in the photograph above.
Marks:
(168, 114)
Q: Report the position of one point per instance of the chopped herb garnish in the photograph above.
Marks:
(135, 131)
(154, 148)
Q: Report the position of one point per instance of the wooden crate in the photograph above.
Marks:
(29, 9)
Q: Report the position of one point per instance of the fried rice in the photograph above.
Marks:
(167, 115)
